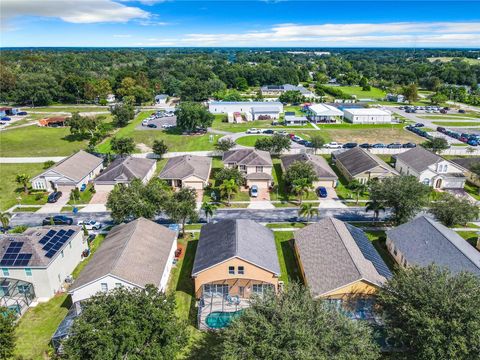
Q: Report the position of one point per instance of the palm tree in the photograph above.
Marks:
(357, 188)
(209, 209)
(23, 179)
(5, 219)
(375, 206)
(228, 188)
(308, 211)
(301, 187)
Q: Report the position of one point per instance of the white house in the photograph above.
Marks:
(323, 113)
(430, 169)
(252, 109)
(132, 255)
(35, 264)
(73, 171)
(368, 116)
(161, 99)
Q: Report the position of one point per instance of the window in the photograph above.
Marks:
(231, 270)
(215, 289)
(259, 289)
(426, 181)
(5, 272)
(243, 167)
(259, 168)
(28, 272)
(241, 270)
(445, 168)
(104, 287)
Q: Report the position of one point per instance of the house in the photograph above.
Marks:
(295, 120)
(323, 113)
(54, 121)
(424, 241)
(360, 164)
(161, 99)
(123, 170)
(326, 175)
(35, 264)
(8, 111)
(235, 259)
(395, 98)
(338, 261)
(72, 172)
(467, 164)
(430, 169)
(132, 255)
(255, 164)
(253, 110)
(277, 90)
(187, 171)
(110, 98)
(367, 116)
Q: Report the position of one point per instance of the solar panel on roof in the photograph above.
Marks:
(48, 246)
(61, 232)
(57, 246)
(70, 232)
(51, 233)
(50, 253)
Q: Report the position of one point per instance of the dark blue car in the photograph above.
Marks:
(321, 192)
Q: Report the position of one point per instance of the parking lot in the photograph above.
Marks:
(159, 122)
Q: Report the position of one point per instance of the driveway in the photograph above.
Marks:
(100, 197)
(171, 120)
(54, 207)
(262, 201)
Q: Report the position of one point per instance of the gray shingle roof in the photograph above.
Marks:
(334, 254)
(258, 176)
(240, 238)
(247, 157)
(180, 167)
(467, 163)
(76, 166)
(418, 158)
(136, 252)
(358, 160)
(125, 169)
(423, 241)
(320, 165)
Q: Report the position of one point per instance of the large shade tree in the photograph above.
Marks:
(7, 333)
(431, 313)
(451, 210)
(192, 115)
(136, 324)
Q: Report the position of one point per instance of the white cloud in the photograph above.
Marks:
(73, 11)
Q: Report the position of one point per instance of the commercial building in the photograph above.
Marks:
(367, 116)
(253, 110)
(323, 113)
(277, 90)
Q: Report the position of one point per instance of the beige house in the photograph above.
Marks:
(123, 170)
(326, 175)
(467, 164)
(255, 165)
(72, 172)
(362, 165)
(187, 171)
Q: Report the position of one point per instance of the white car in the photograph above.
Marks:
(333, 145)
(254, 131)
(167, 126)
(145, 122)
(90, 224)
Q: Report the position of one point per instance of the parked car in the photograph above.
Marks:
(365, 146)
(83, 187)
(22, 113)
(419, 125)
(54, 196)
(349, 145)
(296, 138)
(145, 122)
(333, 145)
(321, 192)
(57, 220)
(394, 146)
(254, 131)
(378, 146)
(91, 237)
(409, 145)
(6, 118)
(307, 143)
(168, 126)
(461, 111)
(275, 123)
(153, 126)
(90, 224)
(268, 131)
(254, 191)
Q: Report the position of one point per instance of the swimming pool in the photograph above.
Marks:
(221, 319)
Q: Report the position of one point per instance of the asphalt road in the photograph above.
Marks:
(271, 215)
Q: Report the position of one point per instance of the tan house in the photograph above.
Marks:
(360, 164)
(339, 263)
(123, 170)
(326, 175)
(187, 171)
(235, 259)
(467, 164)
(255, 164)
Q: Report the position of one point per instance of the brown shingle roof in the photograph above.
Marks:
(320, 165)
(247, 157)
(180, 167)
(358, 160)
(125, 169)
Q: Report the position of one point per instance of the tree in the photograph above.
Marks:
(436, 145)
(308, 211)
(127, 324)
(317, 142)
(208, 209)
(291, 97)
(357, 188)
(83, 126)
(122, 114)
(292, 325)
(122, 146)
(181, 206)
(225, 144)
(192, 115)
(23, 179)
(438, 98)
(451, 210)
(364, 84)
(375, 206)
(410, 92)
(48, 164)
(159, 148)
(300, 170)
(5, 220)
(275, 144)
(7, 333)
(228, 188)
(228, 174)
(433, 313)
(301, 187)
(405, 195)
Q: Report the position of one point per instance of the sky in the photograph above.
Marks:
(254, 23)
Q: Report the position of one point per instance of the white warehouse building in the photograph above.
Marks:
(253, 110)
(367, 116)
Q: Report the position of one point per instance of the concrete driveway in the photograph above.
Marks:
(54, 207)
(100, 197)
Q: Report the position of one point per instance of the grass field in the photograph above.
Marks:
(374, 93)
(448, 59)
(10, 190)
(250, 140)
(457, 123)
(286, 256)
(373, 136)
(378, 240)
(218, 124)
(280, 193)
(70, 109)
(465, 116)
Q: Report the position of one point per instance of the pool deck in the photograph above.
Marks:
(218, 304)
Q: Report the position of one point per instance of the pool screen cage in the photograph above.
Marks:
(16, 295)
(63, 329)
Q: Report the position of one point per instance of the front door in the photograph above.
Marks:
(241, 291)
(438, 184)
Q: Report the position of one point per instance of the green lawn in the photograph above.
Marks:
(218, 124)
(465, 116)
(374, 93)
(342, 191)
(85, 196)
(473, 190)
(250, 140)
(10, 190)
(94, 245)
(25, 209)
(456, 123)
(378, 239)
(282, 194)
(286, 256)
(67, 108)
(470, 236)
(294, 225)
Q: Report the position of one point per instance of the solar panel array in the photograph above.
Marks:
(13, 257)
(53, 240)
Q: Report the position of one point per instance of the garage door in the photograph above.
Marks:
(325, 183)
(263, 184)
(194, 185)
